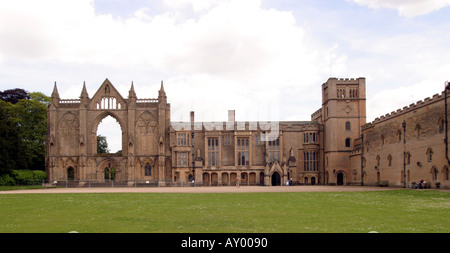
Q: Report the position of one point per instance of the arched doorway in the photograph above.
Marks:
(313, 181)
(70, 174)
(340, 178)
(276, 179)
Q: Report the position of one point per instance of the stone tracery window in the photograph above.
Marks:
(148, 169)
(110, 172)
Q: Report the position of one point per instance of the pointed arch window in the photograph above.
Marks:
(389, 159)
(408, 158)
(445, 173)
(441, 125)
(418, 130)
(110, 172)
(434, 173)
(430, 155)
(148, 169)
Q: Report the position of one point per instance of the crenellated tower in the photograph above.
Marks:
(343, 114)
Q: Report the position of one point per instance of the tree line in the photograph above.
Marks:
(23, 131)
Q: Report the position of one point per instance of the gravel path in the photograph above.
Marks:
(205, 189)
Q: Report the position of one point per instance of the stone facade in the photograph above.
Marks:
(415, 133)
(325, 150)
(72, 136)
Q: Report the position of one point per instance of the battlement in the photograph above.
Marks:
(349, 80)
(406, 109)
(69, 101)
(147, 100)
(344, 80)
(317, 114)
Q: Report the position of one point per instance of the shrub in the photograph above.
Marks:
(29, 177)
(7, 180)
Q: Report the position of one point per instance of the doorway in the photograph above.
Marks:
(340, 178)
(276, 179)
(70, 174)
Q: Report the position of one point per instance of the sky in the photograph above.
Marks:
(265, 59)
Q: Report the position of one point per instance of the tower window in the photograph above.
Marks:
(347, 142)
(347, 126)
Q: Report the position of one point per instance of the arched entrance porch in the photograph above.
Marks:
(276, 179)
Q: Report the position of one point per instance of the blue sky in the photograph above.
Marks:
(266, 59)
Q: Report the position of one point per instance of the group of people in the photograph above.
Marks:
(421, 185)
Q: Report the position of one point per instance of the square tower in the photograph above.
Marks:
(343, 114)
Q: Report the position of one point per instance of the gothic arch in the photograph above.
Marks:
(146, 122)
(98, 119)
(276, 173)
(150, 165)
(96, 122)
(68, 134)
(341, 177)
(109, 169)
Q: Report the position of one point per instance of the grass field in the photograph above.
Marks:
(396, 211)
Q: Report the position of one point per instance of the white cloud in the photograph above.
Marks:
(407, 8)
(196, 5)
(232, 37)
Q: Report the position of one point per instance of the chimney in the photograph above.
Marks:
(231, 115)
(192, 116)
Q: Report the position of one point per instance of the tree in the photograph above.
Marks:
(14, 95)
(31, 118)
(23, 130)
(102, 145)
(11, 144)
(41, 97)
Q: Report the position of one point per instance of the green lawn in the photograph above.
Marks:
(397, 211)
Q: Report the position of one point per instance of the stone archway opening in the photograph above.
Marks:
(276, 179)
(109, 132)
(340, 178)
(70, 173)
